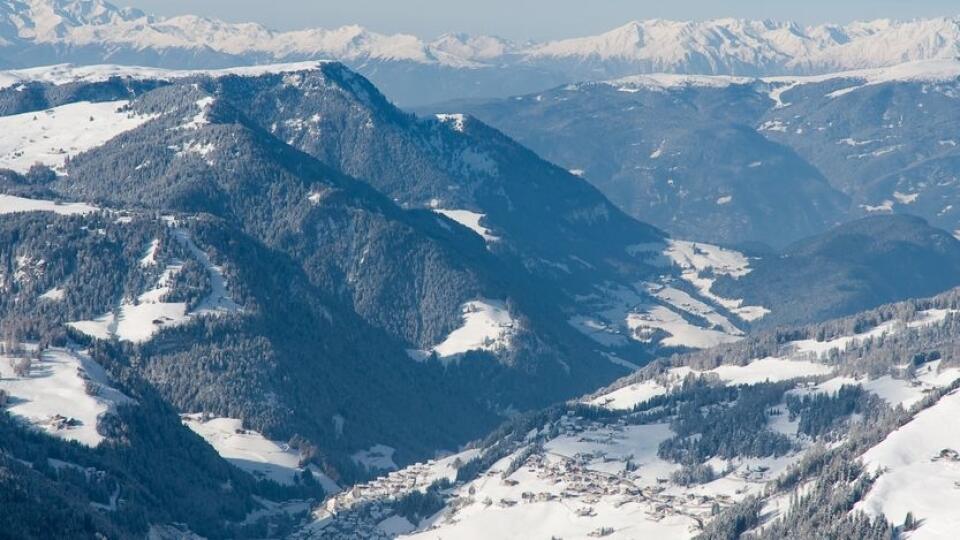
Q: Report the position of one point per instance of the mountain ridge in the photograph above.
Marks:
(461, 65)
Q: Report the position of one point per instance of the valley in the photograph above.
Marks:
(681, 279)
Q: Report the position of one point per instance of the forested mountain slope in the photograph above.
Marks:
(840, 429)
(324, 287)
(734, 159)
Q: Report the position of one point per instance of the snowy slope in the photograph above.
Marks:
(589, 477)
(575, 476)
(470, 220)
(61, 74)
(10, 204)
(803, 359)
(138, 320)
(700, 264)
(672, 312)
(51, 136)
(251, 451)
(487, 326)
(54, 395)
(918, 477)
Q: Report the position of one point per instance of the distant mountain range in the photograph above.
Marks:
(738, 159)
(412, 70)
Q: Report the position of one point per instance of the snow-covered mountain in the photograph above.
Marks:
(731, 159)
(841, 430)
(413, 70)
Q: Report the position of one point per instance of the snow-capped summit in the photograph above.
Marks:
(884, 43)
(50, 20)
(721, 46)
(468, 49)
(414, 70)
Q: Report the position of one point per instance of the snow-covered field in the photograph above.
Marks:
(629, 396)
(470, 220)
(681, 332)
(379, 457)
(606, 479)
(803, 360)
(61, 74)
(137, 321)
(650, 313)
(817, 349)
(700, 263)
(684, 301)
(54, 395)
(895, 391)
(594, 478)
(10, 204)
(671, 312)
(487, 326)
(251, 451)
(757, 371)
(53, 135)
(769, 370)
(922, 472)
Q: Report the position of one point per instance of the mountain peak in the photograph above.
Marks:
(53, 19)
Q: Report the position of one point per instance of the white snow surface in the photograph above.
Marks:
(138, 321)
(769, 370)
(150, 257)
(819, 348)
(53, 295)
(686, 302)
(51, 136)
(10, 204)
(630, 396)
(802, 361)
(894, 390)
(756, 371)
(60, 74)
(470, 220)
(921, 70)
(251, 451)
(56, 386)
(681, 332)
(487, 326)
(396, 525)
(581, 482)
(661, 81)
(700, 263)
(917, 479)
(596, 475)
(457, 121)
(379, 457)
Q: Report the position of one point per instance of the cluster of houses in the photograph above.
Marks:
(584, 482)
(359, 511)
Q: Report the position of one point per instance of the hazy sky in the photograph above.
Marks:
(531, 19)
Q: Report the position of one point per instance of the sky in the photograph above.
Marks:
(531, 19)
